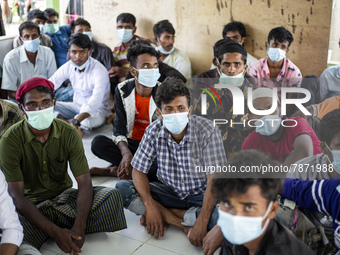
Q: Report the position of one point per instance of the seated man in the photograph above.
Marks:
(247, 210)
(236, 31)
(91, 85)
(38, 17)
(286, 140)
(135, 109)
(231, 70)
(164, 34)
(325, 165)
(329, 83)
(9, 115)
(11, 229)
(34, 156)
(126, 32)
(59, 36)
(180, 143)
(28, 60)
(276, 70)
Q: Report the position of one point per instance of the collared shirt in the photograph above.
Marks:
(45, 40)
(329, 83)
(180, 61)
(182, 166)
(91, 87)
(120, 52)
(12, 231)
(17, 67)
(289, 76)
(9, 115)
(42, 167)
(60, 46)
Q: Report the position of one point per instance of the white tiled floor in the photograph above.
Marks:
(133, 240)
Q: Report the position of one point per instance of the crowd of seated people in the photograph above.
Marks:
(173, 144)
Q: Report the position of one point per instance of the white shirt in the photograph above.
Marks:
(91, 87)
(12, 231)
(180, 61)
(17, 68)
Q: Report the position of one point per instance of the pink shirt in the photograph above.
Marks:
(290, 75)
(279, 150)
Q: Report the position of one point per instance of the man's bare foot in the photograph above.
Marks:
(142, 221)
(178, 212)
(105, 171)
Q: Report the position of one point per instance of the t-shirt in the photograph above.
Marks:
(60, 46)
(141, 117)
(279, 150)
(327, 106)
(42, 167)
(329, 83)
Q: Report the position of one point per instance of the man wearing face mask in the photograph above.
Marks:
(27, 61)
(34, 155)
(126, 32)
(164, 34)
(286, 140)
(91, 85)
(247, 210)
(179, 142)
(135, 109)
(276, 70)
(58, 35)
(38, 17)
(231, 70)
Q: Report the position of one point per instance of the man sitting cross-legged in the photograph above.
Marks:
(180, 143)
(34, 156)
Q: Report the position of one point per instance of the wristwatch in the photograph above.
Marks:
(76, 122)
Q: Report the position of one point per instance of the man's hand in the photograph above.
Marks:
(197, 233)
(154, 221)
(117, 71)
(212, 240)
(66, 240)
(125, 169)
(81, 233)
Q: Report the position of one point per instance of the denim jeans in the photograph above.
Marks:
(166, 197)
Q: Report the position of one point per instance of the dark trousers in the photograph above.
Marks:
(104, 148)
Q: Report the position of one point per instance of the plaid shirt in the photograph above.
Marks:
(11, 114)
(182, 166)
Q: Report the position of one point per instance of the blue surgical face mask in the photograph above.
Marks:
(32, 45)
(236, 80)
(175, 122)
(336, 159)
(163, 51)
(40, 119)
(276, 54)
(89, 34)
(125, 35)
(148, 77)
(271, 123)
(51, 28)
(83, 66)
(241, 229)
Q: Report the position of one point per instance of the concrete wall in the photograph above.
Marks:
(199, 25)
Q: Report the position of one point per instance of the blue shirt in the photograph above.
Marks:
(60, 46)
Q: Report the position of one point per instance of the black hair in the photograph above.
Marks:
(78, 22)
(80, 40)
(218, 45)
(329, 126)
(138, 49)
(281, 35)
(161, 26)
(234, 26)
(49, 12)
(36, 14)
(41, 89)
(139, 42)
(243, 57)
(169, 90)
(29, 25)
(127, 18)
(224, 185)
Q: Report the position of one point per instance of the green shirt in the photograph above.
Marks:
(43, 168)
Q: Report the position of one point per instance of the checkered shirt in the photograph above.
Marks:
(201, 146)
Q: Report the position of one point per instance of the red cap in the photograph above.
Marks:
(31, 84)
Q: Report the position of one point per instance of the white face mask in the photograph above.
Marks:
(241, 229)
(236, 80)
(271, 123)
(40, 119)
(148, 77)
